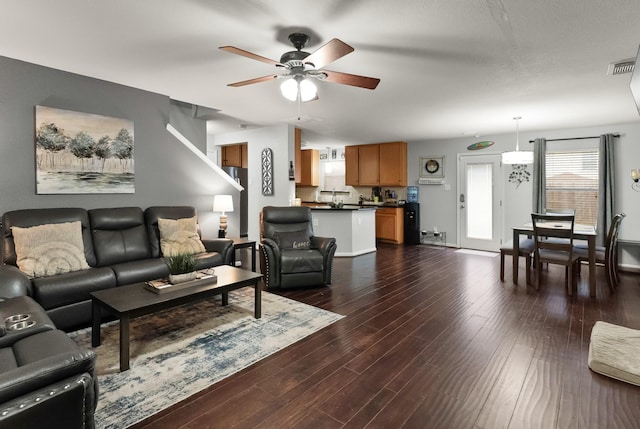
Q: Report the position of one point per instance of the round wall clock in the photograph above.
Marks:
(432, 166)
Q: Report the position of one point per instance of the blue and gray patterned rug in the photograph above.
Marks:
(179, 352)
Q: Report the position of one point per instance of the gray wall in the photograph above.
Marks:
(166, 172)
(439, 206)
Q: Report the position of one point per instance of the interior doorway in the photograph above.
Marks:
(479, 199)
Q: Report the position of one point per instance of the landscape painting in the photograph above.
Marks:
(83, 153)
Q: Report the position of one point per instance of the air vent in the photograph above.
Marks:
(621, 67)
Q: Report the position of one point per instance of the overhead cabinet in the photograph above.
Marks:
(381, 164)
(309, 166)
(235, 155)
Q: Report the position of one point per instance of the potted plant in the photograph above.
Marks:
(182, 267)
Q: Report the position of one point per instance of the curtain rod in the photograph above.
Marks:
(575, 138)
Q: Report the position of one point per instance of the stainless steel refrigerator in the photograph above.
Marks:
(241, 175)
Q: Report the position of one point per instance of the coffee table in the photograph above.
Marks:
(135, 300)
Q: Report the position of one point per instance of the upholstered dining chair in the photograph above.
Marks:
(553, 251)
(607, 255)
(290, 254)
(525, 249)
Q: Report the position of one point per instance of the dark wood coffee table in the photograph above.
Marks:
(131, 301)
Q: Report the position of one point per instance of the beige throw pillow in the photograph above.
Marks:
(179, 236)
(50, 249)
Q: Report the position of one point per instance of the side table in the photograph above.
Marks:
(244, 243)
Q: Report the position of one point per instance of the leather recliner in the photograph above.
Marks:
(291, 256)
(46, 380)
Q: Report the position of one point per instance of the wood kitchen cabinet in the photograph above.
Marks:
(234, 155)
(382, 164)
(393, 164)
(297, 150)
(309, 166)
(390, 225)
(351, 166)
(362, 165)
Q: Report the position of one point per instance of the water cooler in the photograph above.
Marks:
(411, 223)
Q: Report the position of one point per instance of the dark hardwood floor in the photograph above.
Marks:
(432, 339)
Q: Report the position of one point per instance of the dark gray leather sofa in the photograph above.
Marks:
(121, 246)
(46, 381)
(288, 265)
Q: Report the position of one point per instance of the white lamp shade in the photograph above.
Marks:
(289, 89)
(308, 90)
(517, 157)
(222, 203)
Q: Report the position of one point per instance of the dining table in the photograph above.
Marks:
(580, 232)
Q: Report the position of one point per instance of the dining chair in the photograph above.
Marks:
(552, 251)
(607, 255)
(525, 249)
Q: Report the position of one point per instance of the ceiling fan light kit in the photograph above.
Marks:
(296, 87)
(303, 66)
(518, 156)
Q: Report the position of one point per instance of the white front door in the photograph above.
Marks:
(479, 194)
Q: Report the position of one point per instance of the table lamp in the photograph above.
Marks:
(222, 204)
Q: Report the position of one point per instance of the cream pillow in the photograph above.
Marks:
(179, 236)
(50, 249)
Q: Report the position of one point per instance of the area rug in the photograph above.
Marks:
(179, 352)
(477, 252)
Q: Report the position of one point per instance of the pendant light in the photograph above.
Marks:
(518, 156)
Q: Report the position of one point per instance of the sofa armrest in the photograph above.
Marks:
(270, 262)
(13, 282)
(68, 403)
(224, 246)
(323, 244)
(44, 372)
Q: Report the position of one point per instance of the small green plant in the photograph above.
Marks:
(181, 263)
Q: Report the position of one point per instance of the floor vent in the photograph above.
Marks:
(621, 67)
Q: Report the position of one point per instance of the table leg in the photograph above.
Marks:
(253, 257)
(258, 300)
(516, 252)
(592, 265)
(225, 298)
(124, 342)
(95, 323)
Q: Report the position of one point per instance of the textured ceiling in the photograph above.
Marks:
(448, 68)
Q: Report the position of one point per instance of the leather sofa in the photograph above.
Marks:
(290, 255)
(121, 246)
(46, 380)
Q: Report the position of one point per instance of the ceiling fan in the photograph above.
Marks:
(303, 66)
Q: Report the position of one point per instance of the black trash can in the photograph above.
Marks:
(412, 223)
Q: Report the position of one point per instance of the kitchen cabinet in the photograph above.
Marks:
(381, 164)
(234, 155)
(393, 164)
(297, 150)
(351, 166)
(368, 165)
(309, 166)
(390, 225)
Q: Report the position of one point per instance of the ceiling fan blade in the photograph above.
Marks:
(256, 80)
(329, 52)
(351, 79)
(242, 52)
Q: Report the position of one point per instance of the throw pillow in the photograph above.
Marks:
(293, 240)
(179, 236)
(50, 249)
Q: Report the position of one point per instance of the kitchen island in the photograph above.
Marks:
(354, 227)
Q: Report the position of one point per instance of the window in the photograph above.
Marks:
(572, 182)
